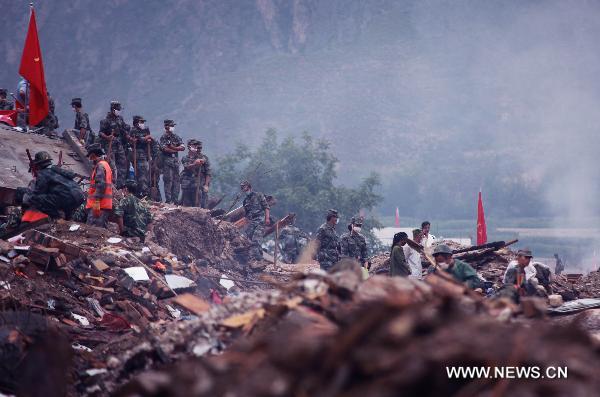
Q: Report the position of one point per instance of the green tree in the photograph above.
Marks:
(300, 173)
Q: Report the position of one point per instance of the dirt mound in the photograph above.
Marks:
(191, 232)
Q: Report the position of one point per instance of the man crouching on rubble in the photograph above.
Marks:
(134, 217)
(461, 271)
(100, 195)
(524, 277)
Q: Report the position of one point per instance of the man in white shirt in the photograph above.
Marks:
(413, 257)
(427, 239)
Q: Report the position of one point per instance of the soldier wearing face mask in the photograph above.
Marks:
(461, 271)
(113, 136)
(142, 144)
(328, 250)
(353, 244)
(170, 145)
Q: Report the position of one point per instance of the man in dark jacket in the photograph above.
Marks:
(53, 190)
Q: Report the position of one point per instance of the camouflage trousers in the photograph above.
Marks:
(327, 258)
(119, 163)
(188, 198)
(170, 171)
(255, 231)
(100, 220)
(142, 176)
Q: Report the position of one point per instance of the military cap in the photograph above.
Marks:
(193, 142)
(115, 105)
(169, 123)
(42, 157)
(442, 249)
(76, 101)
(3, 91)
(95, 148)
(525, 252)
(357, 220)
(332, 212)
(137, 119)
(131, 184)
(245, 183)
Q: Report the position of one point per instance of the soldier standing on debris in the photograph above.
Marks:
(195, 177)
(328, 253)
(413, 257)
(398, 265)
(141, 142)
(100, 195)
(53, 189)
(461, 271)
(134, 217)
(291, 241)
(170, 146)
(82, 122)
(5, 104)
(114, 139)
(258, 214)
(353, 244)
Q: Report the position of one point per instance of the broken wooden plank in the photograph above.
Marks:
(192, 303)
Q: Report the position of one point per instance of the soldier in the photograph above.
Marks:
(53, 189)
(82, 122)
(195, 177)
(258, 213)
(114, 140)
(170, 146)
(142, 144)
(134, 217)
(560, 266)
(461, 271)
(328, 253)
(523, 277)
(50, 123)
(353, 244)
(99, 201)
(291, 242)
(5, 104)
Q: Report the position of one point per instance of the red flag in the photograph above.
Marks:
(32, 70)
(397, 217)
(481, 227)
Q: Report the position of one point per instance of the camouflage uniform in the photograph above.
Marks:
(291, 241)
(328, 253)
(136, 216)
(53, 189)
(142, 166)
(82, 122)
(189, 178)
(170, 166)
(255, 204)
(13, 219)
(5, 104)
(50, 123)
(354, 245)
(118, 160)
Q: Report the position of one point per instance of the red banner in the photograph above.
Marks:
(32, 70)
(481, 227)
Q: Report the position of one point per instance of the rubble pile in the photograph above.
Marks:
(335, 335)
(102, 292)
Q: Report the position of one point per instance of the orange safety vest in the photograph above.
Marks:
(106, 198)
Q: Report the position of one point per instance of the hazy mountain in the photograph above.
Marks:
(440, 97)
